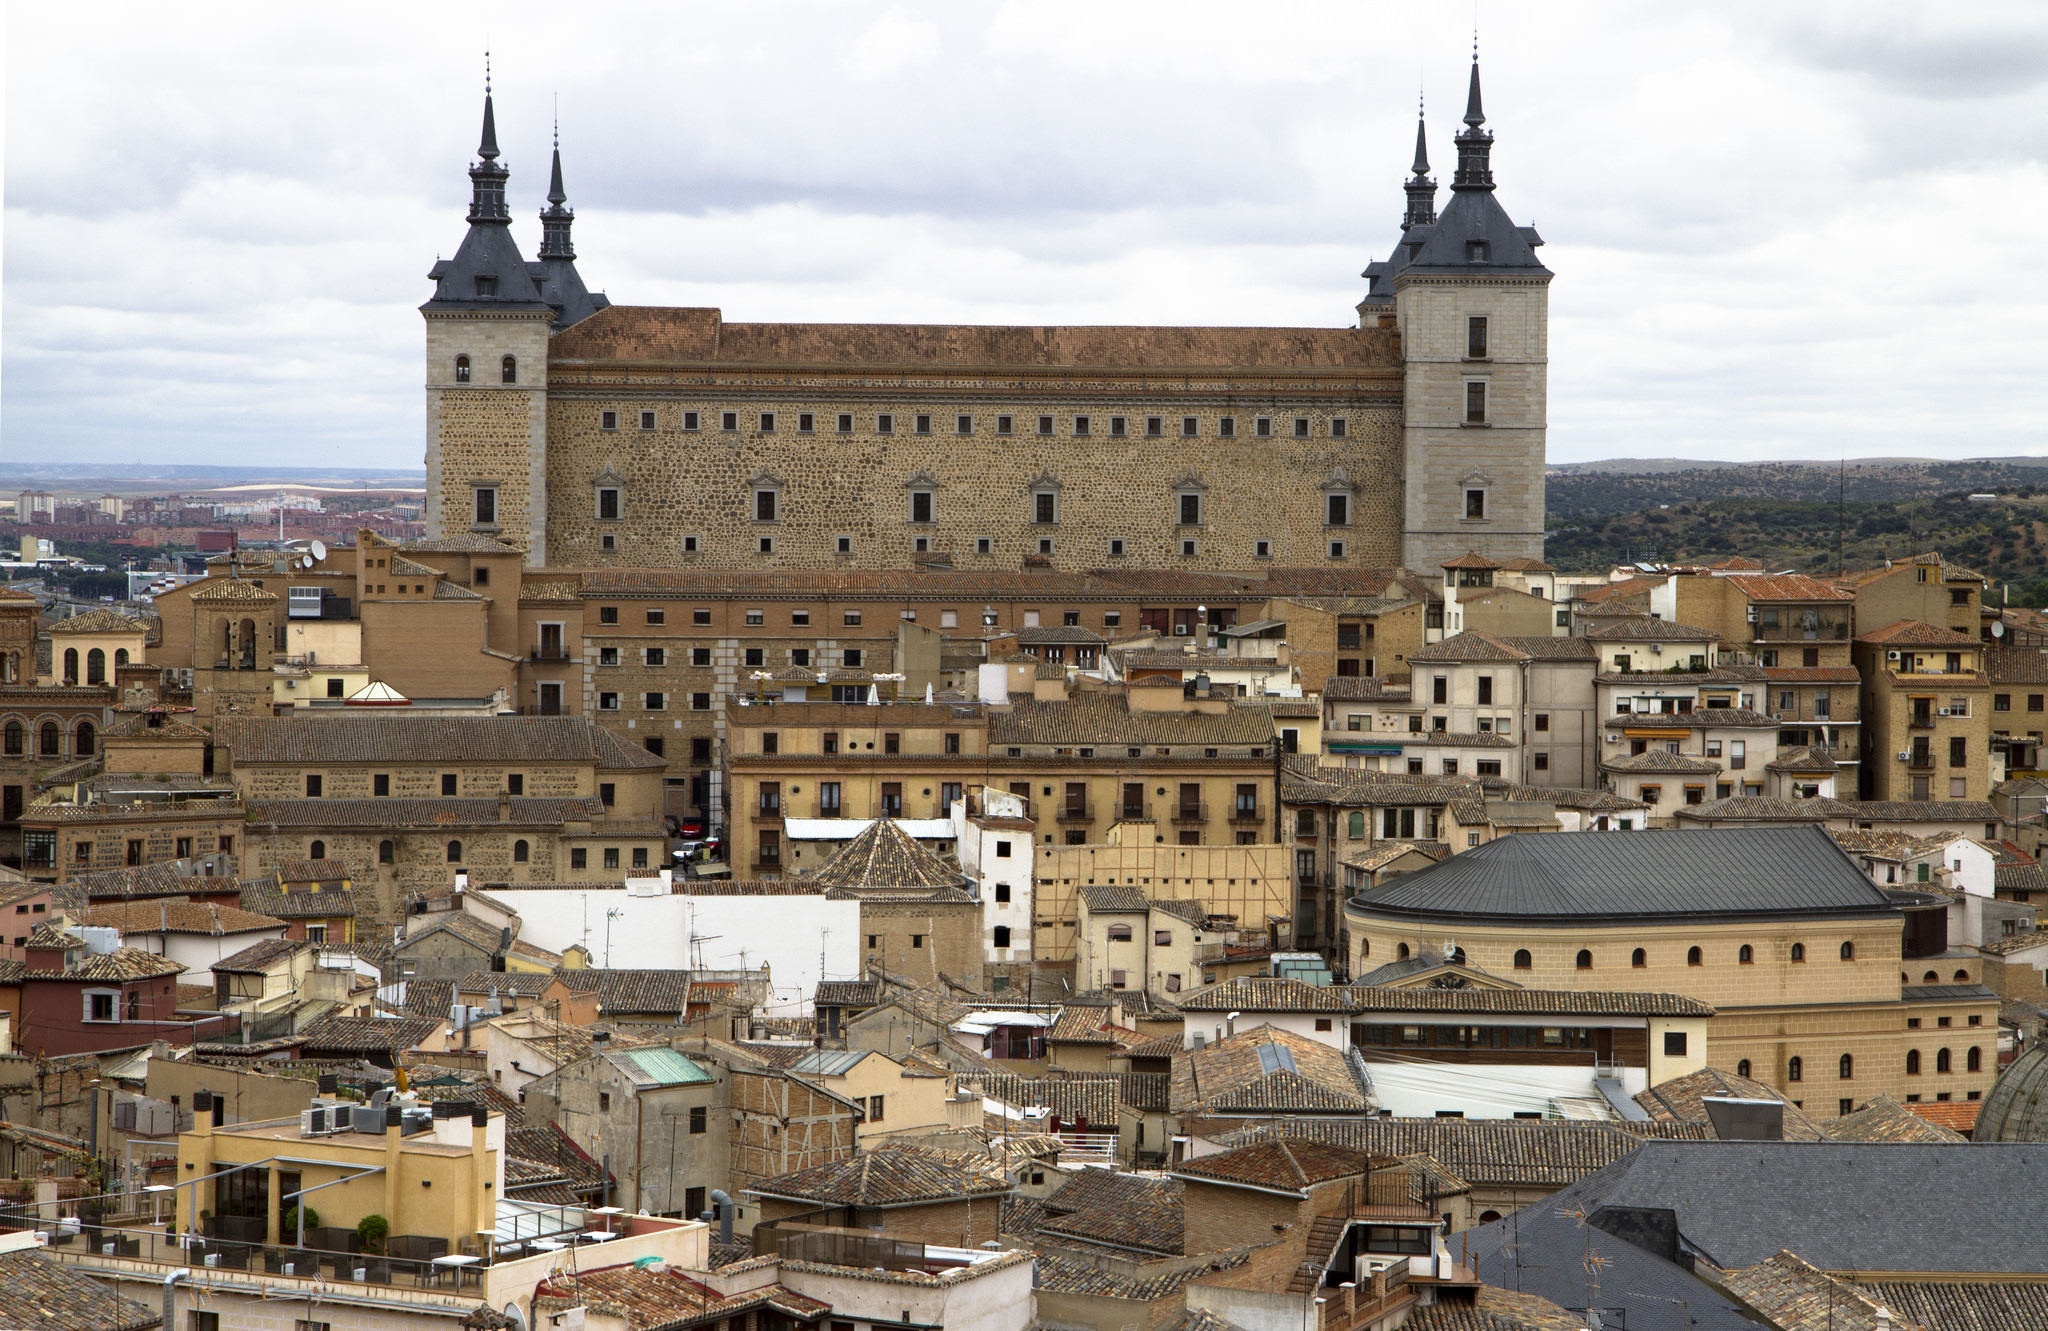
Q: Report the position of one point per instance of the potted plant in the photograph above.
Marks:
(371, 1231)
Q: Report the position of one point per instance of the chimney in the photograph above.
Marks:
(504, 806)
(394, 1119)
(330, 1083)
(483, 1183)
(202, 1113)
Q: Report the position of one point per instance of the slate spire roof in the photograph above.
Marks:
(561, 286)
(1421, 189)
(487, 271)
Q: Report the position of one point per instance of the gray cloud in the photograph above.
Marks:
(1777, 232)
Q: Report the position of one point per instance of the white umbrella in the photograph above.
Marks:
(927, 693)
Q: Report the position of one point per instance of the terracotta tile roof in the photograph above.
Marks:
(1812, 675)
(1488, 1152)
(2016, 665)
(261, 957)
(410, 739)
(522, 984)
(1470, 559)
(1805, 758)
(167, 727)
(367, 1035)
(1548, 1002)
(99, 620)
(123, 963)
(1259, 994)
(526, 811)
(2020, 942)
(1470, 646)
(1650, 630)
(1884, 1119)
(891, 1174)
(1679, 1101)
(1282, 1162)
(37, 1293)
(1067, 1275)
(1656, 761)
(619, 992)
(849, 993)
(1265, 1070)
(178, 916)
(1059, 634)
(1092, 1096)
(663, 1298)
(1788, 587)
(1921, 811)
(1914, 633)
(151, 880)
(1147, 1219)
(1617, 590)
(651, 333)
(1796, 1296)
(232, 589)
(265, 898)
(549, 591)
(884, 855)
(1107, 719)
(1087, 1025)
(1956, 1115)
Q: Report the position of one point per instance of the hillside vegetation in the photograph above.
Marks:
(1587, 488)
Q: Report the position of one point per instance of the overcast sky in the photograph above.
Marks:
(1779, 230)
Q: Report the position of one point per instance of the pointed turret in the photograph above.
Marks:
(561, 286)
(487, 268)
(1421, 189)
(1475, 145)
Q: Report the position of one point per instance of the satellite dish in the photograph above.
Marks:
(319, 550)
(1998, 630)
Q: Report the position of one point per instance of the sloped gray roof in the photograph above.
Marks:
(1717, 872)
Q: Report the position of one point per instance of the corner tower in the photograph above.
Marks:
(1472, 303)
(487, 364)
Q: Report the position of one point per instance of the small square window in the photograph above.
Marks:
(846, 422)
(1226, 427)
(806, 423)
(1005, 425)
(729, 420)
(1262, 549)
(757, 617)
(924, 422)
(851, 619)
(844, 545)
(885, 423)
(700, 616)
(1116, 547)
(1045, 545)
(608, 614)
(1081, 425)
(1336, 549)
(700, 702)
(1155, 426)
(1190, 426)
(646, 420)
(607, 702)
(982, 545)
(700, 656)
(1340, 428)
(1045, 425)
(767, 545)
(690, 420)
(1116, 427)
(608, 542)
(607, 420)
(1187, 549)
(767, 422)
(689, 545)
(1301, 427)
(963, 424)
(1263, 427)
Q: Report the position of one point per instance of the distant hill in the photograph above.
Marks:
(1622, 486)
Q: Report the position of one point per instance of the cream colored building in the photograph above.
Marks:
(1926, 713)
(1124, 939)
(1240, 887)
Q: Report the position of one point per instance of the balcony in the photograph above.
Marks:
(1190, 813)
(830, 811)
(1920, 760)
(545, 653)
(1076, 813)
(544, 709)
(1135, 813)
(768, 811)
(1246, 813)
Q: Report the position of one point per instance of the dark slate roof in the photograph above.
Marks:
(1706, 873)
(1540, 1002)
(39, 1294)
(1737, 1203)
(2016, 1107)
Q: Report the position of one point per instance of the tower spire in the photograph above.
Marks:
(488, 176)
(1421, 189)
(555, 219)
(1475, 145)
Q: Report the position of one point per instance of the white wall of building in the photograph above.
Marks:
(981, 858)
(1476, 1090)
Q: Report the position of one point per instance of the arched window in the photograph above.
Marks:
(52, 745)
(1848, 952)
(17, 739)
(70, 665)
(1962, 977)
(1523, 961)
(519, 852)
(1364, 948)
(1488, 1217)
(120, 657)
(1457, 956)
(1941, 1061)
(1638, 958)
(1746, 954)
(95, 666)
(1002, 935)
(1973, 1061)
(386, 852)
(1356, 826)
(462, 369)
(1692, 956)
(1795, 1070)
(1305, 823)
(1742, 1068)
(1931, 977)
(1847, 1069)
(317, 851)
(455, 852)
(1119, 933)
(1799, 952)
(1401, 952)
(1912, 1062)
(508, 369)
(1584, 960)
(83, 739)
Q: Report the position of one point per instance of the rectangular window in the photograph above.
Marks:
(1044, 507)
(1486, 689)
(1337, 510)
(579, 857)
(850, 658)
(608, 504)
(1045, 425)
(486, 506)
(806, 423)
(923, 422)
(1475, 337)
(920, 505)
(700, 702)
(767, 422)
(656, 702)
(646, 420)
(1475, 402)
(1301, 427)
(607, 420)
(1117, 426)
(1262, 426)
(1340, 428)
(846, 422)
(656, 656)
(1081, 425)
(885, 423)
(698, 1116)
(1190, 510)
(764, 505)
(963, 424)
(1959, 752)
(1190, 426)
(1226, 427)
(611, 857)
(729, 420)
(312, 787)
(690, 420)
(1006, 425)
(1475, 505)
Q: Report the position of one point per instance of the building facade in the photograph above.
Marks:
(590, 434)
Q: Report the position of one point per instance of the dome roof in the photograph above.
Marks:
(2016, 1107)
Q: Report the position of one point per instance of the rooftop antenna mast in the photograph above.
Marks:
(1841, 510)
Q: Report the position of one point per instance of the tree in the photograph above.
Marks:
(371, 1231)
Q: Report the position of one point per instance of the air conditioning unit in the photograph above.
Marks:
(1614, 739)
(314, 1123)
(1657, 649)
(1891, 656)
(1905, 755)
(1942, 711)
